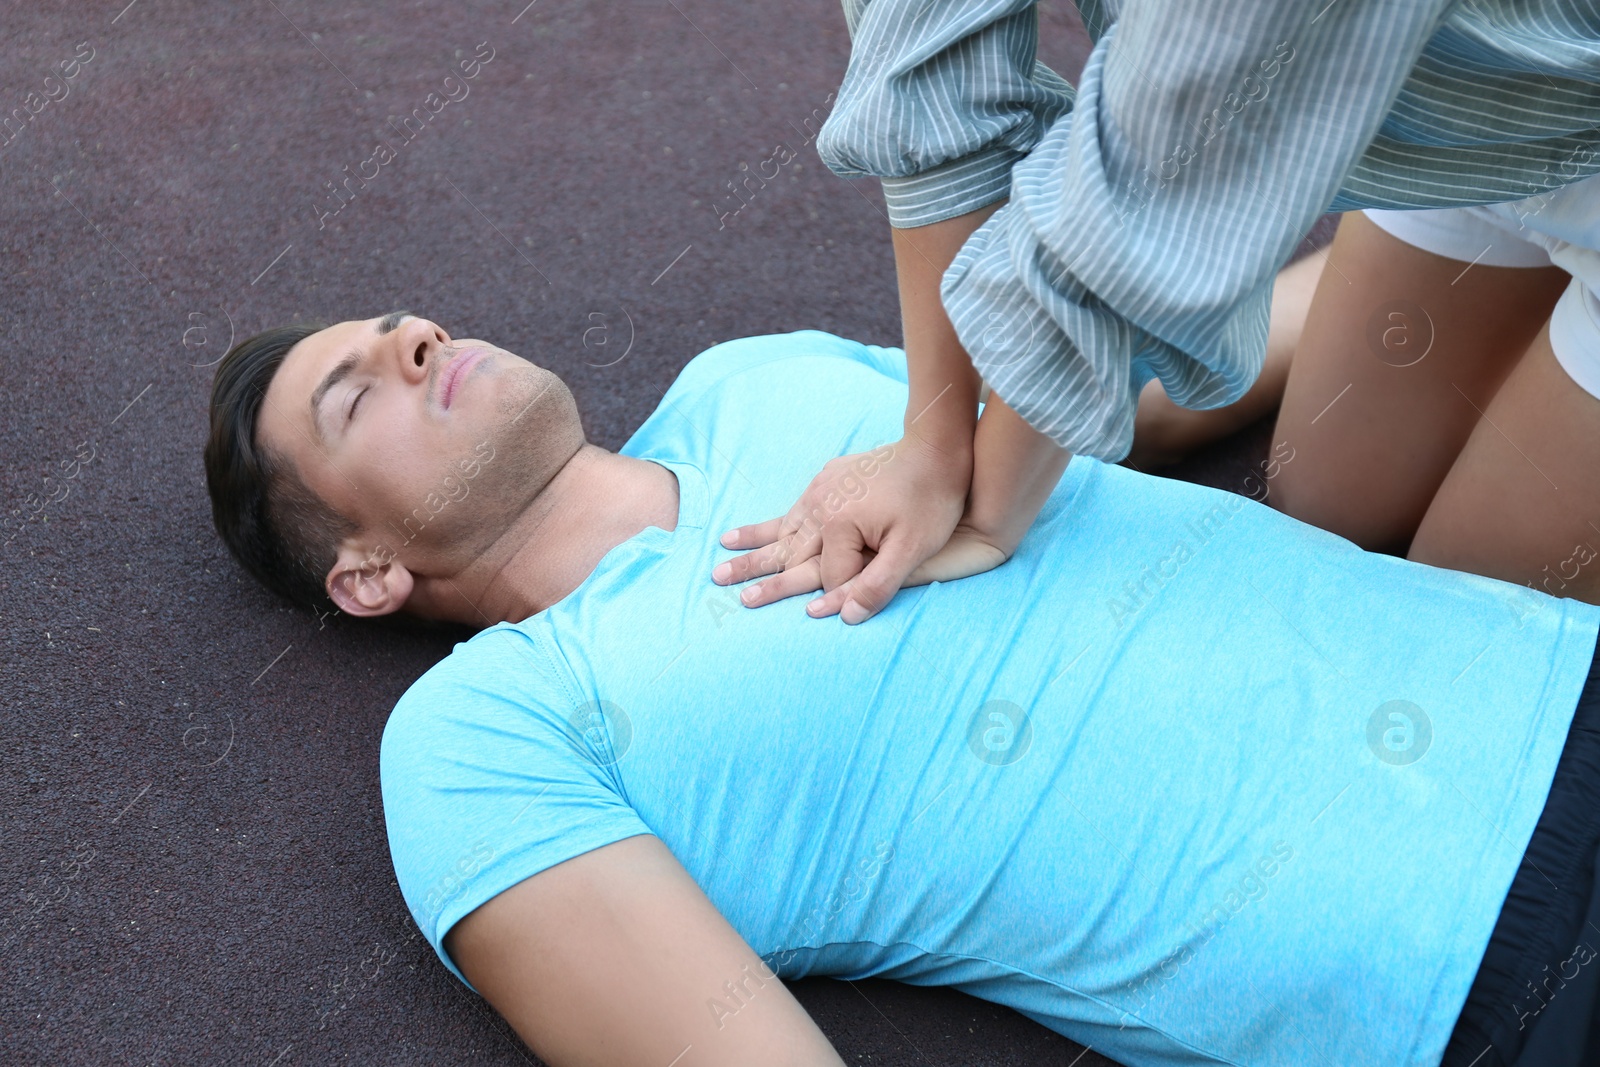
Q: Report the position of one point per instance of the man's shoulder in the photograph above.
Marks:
(490, 670)
(741, 354)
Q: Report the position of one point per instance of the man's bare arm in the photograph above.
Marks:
(617, 957)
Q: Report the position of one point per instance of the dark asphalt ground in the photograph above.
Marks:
(193, 867)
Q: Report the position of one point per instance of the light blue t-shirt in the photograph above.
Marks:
(1185, 779)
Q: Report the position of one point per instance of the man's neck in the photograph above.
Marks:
(596, 501)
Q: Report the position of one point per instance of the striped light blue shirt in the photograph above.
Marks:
(1152, 207)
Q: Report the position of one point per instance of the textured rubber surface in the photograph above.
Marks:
(194, 867)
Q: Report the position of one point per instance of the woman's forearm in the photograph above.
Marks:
(1014, 469)
(943, 402)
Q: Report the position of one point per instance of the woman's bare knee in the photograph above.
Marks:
(1376, 427)
(1522, 501)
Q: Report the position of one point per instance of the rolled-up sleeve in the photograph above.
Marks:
(1148, 219)
(938, 101)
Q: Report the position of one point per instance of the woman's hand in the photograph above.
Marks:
(1014, 470)
(969, 551)
(863, 526)
(860, 536)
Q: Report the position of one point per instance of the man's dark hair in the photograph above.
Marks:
(275, 526)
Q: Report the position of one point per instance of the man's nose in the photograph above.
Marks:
(421, 345)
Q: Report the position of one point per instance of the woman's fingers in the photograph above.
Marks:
(828, 603)
(881, 579)
(775, 551)
(805, 578)
(870, 591)
(873, 541)
(758, 536)
(843, 554)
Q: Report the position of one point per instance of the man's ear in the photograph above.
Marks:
(362, 586)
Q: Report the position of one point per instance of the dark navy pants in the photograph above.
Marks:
(1536, 999)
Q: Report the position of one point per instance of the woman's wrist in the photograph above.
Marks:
(942, 406)
(946, 424)
(1014, 470)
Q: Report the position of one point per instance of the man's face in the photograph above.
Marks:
(432, 446)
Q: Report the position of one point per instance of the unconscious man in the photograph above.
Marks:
(1184, 779)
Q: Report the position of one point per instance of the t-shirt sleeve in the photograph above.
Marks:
(493, 770)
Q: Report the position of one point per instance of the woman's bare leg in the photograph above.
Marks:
(1400, 352)
(1522, 502)
(1164, 433)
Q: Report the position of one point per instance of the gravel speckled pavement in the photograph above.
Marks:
(194, 867)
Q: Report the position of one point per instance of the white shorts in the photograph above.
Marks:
(1559, 228)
